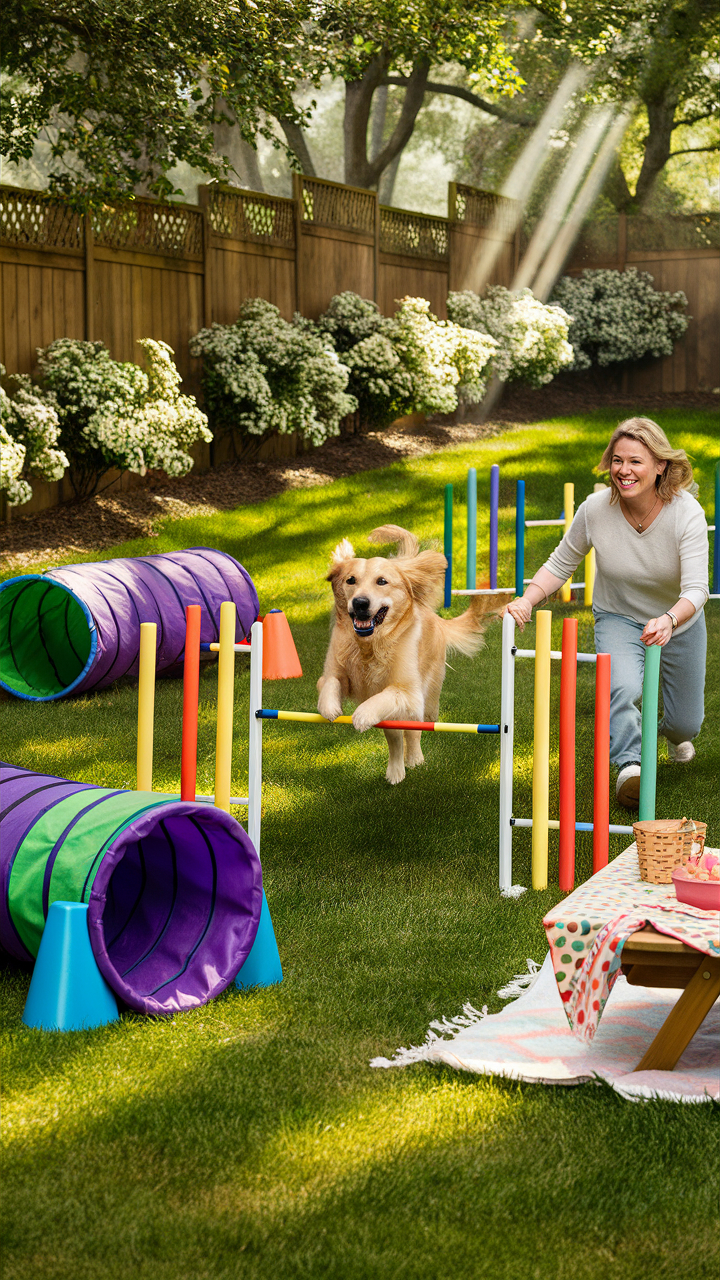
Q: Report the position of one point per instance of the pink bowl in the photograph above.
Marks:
(704, 894)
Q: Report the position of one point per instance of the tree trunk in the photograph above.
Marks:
(661, 118)
(298, 144)
(241, 157)
(360, 171)
(616, 188)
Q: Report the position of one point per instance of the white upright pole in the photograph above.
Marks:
(507, 733)
(255, 736)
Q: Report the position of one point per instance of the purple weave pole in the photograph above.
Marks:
(494, 506)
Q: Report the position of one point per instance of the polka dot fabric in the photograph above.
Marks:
(587, 931)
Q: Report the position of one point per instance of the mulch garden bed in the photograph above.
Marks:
(107, 519)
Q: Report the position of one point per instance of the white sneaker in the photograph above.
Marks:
(627, 787)
(680, 752)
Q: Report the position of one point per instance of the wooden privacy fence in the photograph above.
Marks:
(165, 271)
(682, 252)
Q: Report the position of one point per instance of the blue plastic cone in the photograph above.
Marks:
(262, 967)
(68, 991)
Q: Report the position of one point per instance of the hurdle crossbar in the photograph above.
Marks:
(554, 825)
(417, 726)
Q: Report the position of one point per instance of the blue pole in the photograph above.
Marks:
(494, 505)
(471, 556)
(519, 537)
(448, 543)
(716, 535)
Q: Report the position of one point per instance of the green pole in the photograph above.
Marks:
(648, 750)
(716, 535)
(448, 543)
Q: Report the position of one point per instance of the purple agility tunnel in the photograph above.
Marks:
(173, 889)
(78, 628)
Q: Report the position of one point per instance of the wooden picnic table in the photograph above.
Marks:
(617, 923)
(652, 959)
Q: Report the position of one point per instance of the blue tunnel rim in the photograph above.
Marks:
(62, 693)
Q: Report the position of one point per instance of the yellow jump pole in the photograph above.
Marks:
(569, 504)
(146, 705)
(541, 750)
(590, 564)
(225, 696)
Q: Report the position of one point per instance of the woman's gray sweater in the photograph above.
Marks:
(639, 575)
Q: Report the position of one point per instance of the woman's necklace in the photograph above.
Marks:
(639, 523)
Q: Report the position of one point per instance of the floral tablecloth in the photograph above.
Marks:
(586, 933)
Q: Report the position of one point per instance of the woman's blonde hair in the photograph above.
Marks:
(678, 471)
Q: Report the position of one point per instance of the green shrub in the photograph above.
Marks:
(411, 362)
(619, 315)
(263, 374)
(29, 432)
(115, 414)
(532, 337)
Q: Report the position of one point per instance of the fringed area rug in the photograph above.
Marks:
(530, 1040)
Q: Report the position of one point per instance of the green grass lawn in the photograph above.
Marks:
(250, 1138)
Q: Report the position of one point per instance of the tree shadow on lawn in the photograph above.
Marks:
(305, 1162)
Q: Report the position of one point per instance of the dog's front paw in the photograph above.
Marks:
(395, 773)
(363, 718)
(330, 708)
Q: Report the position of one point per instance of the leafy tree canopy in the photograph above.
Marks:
(125, 89)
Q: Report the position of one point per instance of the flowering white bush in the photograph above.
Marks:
(159, 428)
(532, 337)
(446, 361)
(362, 338)
(619, 315)
(263, 374)
(114, 414)
(29, 431)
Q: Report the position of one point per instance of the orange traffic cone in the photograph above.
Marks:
(280, 657)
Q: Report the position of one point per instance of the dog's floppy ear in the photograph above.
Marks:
(425, 574)
(407, 543)
(343, 552)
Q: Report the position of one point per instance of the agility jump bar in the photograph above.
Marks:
(421, 726)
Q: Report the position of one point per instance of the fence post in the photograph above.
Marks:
(297, 195)
(89, 279)
(376, 250)
(204, 201)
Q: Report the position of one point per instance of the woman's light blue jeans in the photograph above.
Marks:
(682, 679)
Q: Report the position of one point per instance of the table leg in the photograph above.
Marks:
(684, 1018)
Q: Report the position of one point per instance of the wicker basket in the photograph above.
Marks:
(665, 844)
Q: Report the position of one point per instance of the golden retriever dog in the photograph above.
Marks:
(388, 645)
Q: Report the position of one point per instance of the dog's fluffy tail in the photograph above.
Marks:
(407, 543)
(465, 634)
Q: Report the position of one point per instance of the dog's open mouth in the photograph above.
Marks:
(366, 626)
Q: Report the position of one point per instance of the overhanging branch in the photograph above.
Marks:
(467, 95)
(691, 151)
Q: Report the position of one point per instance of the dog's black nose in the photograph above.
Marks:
(361, 606)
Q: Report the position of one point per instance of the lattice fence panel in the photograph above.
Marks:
(241, 216)
(413, 234)
(147, 227)
(485, 209)
(30, 218)
(688, 231)
(328, 205)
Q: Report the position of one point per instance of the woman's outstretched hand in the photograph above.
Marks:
(657, 630)
(520, 610)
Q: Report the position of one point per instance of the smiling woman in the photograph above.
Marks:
(650, 539)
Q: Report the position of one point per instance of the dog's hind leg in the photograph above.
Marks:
(396, 767)
(413, 749)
